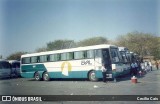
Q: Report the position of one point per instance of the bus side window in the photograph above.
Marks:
(63, 56)
(26, 60)
(48, 58)
(54, 57)
(38, 59)
(34, 59)
(79, 55)
(84, 54)
(70, 55)
(98, 53)
(90, 54)
(43, 58)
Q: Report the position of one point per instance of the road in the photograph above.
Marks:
(149, 84)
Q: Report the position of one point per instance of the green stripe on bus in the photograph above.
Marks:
(33, 68)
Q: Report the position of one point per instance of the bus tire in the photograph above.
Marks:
(37, 76)
(46, 76)
(92, 76)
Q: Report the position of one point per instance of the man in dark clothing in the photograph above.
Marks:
(157, 65)
(104, 73)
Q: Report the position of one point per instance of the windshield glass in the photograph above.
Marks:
(124, 57)
(115, 55)
(4, 65)
(16, 65)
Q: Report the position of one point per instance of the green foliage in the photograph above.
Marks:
(43, 49)
(15, 56)
(60, 44)
(93, 41)
(142, 43)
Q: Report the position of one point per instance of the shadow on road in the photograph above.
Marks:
(118, 79)
(64, 79)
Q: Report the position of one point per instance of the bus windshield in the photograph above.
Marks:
(4, 65)
(115, 55)
(16, 65)
(124, 57)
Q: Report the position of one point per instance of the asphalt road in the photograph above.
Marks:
(149, 84)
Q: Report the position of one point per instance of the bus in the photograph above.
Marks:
(126, 59)
(133, 57)
(80, 62)
(5, 69)
(123, 51)
(15, 64)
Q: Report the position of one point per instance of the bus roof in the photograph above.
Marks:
(3, 60)
(71, 49)
(13, 61)
(123, 49)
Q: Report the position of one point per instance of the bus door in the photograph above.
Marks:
(107, 62)
(97, 58)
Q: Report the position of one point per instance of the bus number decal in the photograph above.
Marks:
(86, 62)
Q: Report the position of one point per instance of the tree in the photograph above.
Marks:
(15, 56)
(60, 44)
(156, 49)
(142, 43)
(43, 49)
(93, 41)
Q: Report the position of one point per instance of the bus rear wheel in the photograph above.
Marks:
(37, 77)
(46, 76)
(92, 76)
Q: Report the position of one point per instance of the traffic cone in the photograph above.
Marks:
(134, 79)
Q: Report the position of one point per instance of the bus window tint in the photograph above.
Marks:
(115, 55)
(26, 60)
(54, 57)
(98, 53)
(34, 59)
(120, 57)
(63, 56)
(70, 56)
(123, 55)
(79, 55)
(43, 58)
(4, 65)
(90, 54)
(16, 65)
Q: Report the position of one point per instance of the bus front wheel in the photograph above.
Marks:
(92, 76)
(46, 76)
(37, 77)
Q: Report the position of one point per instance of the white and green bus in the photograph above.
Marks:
(124, 53)
(81, 62)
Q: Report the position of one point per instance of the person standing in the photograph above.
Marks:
(150, 65)
(143, 67)
(157, 65)
(136, 68)
(104, 73)
(146, 66)
(132, 72)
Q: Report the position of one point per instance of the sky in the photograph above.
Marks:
(26, 25)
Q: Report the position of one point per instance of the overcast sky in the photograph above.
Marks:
(29, 24)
